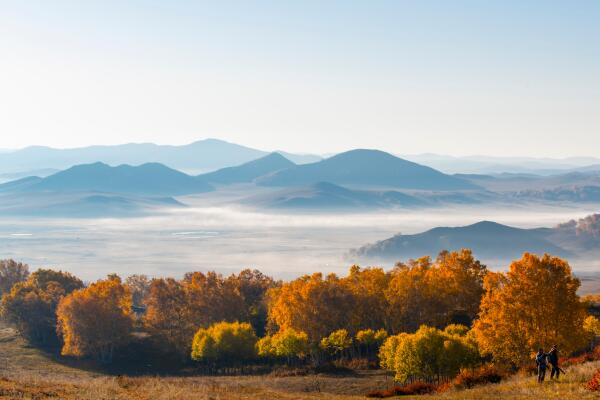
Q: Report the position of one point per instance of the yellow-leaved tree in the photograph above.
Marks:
(225, 342)
(96, 320)
(535, 304)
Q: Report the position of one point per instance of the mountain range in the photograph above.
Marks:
(363, 167)
(201, 156)
(357, 179)
(150, 179)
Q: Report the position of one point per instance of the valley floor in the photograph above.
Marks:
(26, 372)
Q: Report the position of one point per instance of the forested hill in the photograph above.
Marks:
(488, 240)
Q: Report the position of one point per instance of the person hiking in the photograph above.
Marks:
(540, 361)
(553, 360)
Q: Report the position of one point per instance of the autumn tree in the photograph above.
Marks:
(435, 293)
(369, 341)
(213, 299)
(312, 304)
(337, 343)
(412, 298)
(428, 354)
(289, 344)
(533, 305)
(591, 326)
(371, 309)
(11, 273)
(31, 305)
(225, 342)
(96, 320)
(139, 286)
(253, 286)
(460, 279)
(168, 316)
(177, 309)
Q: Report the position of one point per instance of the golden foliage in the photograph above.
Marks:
(533, 305)
(96, 320)
(416, 293)
(287, 343)
(428, 353)
(31, 305)
(225, 341)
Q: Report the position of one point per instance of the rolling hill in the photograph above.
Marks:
(83, 205)
(249, 171)
(327, 196)
(366, 168)
(147, 179)
(488, 240)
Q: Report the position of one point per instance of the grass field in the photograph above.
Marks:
(28, 373)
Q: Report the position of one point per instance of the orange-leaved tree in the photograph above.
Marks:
(312, 305)
(96, 320)
(31, 305)
(535, 304)
(168, 316)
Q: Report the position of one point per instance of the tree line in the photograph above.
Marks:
(424, 319)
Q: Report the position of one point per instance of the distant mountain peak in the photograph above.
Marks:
(367, 167)
(146, 179)
(249, 171)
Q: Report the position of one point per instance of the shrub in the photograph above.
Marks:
(485, 374)
(414, 388)
(594, 383)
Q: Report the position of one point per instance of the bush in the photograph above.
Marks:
(414, 388)
(485, 374)
(594, 383)
(593, 355)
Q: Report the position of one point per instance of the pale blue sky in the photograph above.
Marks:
(453, 77)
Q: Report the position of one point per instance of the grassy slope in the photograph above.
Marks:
(570, 386)
(25, 372)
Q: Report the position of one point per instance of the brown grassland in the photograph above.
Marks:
(28, 373)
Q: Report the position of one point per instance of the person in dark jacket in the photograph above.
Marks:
(540, 361)
(553, 359)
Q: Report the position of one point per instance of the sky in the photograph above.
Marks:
(504, 78)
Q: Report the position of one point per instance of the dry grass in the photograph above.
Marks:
(27, 373)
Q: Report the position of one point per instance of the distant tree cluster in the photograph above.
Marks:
(424, 320)
(176, 309)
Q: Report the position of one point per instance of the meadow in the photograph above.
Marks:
(29, 373)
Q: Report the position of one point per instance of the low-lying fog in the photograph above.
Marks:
(230, 239)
